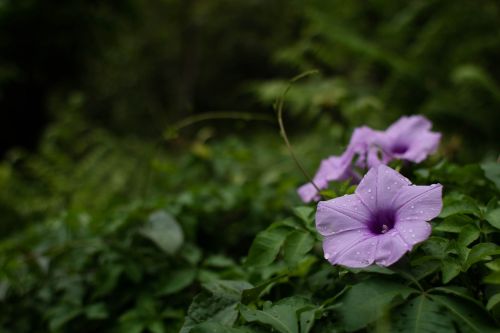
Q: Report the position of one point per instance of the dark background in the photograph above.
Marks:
(138, 66)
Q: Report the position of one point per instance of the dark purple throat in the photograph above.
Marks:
(399, 149)
(382, 221)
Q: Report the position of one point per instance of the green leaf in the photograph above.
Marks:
(436, 247)
(480, 252)
(281, 317)
(218, 303)
(305, 213)
(493, 217)
(62, 314)
(369, 300)
(467, 313)
(212, 327)
(493, 302)
(297, 244)
(307, 319)
(453, 223)
(96, 311)
(164, 231)
(177, 280)
(218, 261)
(457, 291)
(266, 246)
(467, 235)
(494, 265)
(422, 315)
(459, 204)
(450, 269)
(253, 294)
(492, 172)
(493, 278)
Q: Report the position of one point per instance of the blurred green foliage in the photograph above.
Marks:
(109, 227)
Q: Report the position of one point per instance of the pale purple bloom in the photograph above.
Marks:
(380, 222)
(339, 168)
(409, 139)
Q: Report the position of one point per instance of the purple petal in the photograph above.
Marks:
(350, 248)
(361, 140)
(359, 254)
(413, 232)
(379, 187)
(308, 192)
(390, 248)
(419, 149)
(408, 127)
(409, 138)
(418, 203)
(330, 169)
(341, 214)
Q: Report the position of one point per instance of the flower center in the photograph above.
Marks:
(381, 222)
(399, 148)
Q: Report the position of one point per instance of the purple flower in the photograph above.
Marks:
(408, 139)
(339, 168)
(380, 222)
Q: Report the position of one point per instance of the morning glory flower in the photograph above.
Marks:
(408, 139)
(339, 168)
(380, 222)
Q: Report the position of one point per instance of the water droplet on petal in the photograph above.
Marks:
(412, 207)
(358, 253)
(369, 190)
(388, 187)
(410, 230)
(327, 256)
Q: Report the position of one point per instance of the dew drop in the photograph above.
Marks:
(369, 190)
(388, 187)
(358, 253)
(327, 256)
(410, 230)
(372, 197)
(421, 212)
(412, 207)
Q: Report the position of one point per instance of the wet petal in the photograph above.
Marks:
(413, 232)
(341, 214)
(418, 203)
(334, 246)
(379, 187)
(390, 248)
(359, 254)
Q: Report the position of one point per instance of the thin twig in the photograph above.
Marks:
(280, 101)
(188, 121)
